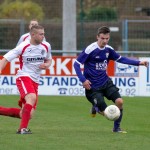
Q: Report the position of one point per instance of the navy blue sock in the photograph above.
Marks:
(97, 109)
(118, 121)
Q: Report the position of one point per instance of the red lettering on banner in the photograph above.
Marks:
(61, 66)
(111, 68)
(6, 70)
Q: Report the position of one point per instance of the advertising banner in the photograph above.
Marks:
(144, 79)
(61, 79)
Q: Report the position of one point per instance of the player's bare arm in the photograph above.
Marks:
(144, 63)
(46, 64)
(3, 63)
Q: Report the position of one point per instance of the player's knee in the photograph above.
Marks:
(101, 105)
(31, 98)
(119, 102)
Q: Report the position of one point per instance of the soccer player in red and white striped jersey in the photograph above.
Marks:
(34, 55)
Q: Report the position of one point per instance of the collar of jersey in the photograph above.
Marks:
(100, 48)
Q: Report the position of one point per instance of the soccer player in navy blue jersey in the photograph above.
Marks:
(95, 80)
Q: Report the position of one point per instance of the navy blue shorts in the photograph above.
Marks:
(96, 96)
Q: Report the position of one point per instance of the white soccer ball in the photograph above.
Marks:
(112, 112)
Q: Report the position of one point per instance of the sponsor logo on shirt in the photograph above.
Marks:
(38, 59)
(97, 57)
(101, 65)
(42, 52)
(107, 54)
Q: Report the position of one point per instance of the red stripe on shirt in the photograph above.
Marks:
(45, 46)
(25, 37)
(20, 58)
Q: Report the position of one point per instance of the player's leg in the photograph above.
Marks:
(97, 99)
(11, 112)
(28, 92)
(112, 93)
(116, 98)
(31, 113)
(26, 110)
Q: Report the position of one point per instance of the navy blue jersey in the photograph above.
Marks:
(95, 62)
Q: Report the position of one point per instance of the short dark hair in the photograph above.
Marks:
(103, 30)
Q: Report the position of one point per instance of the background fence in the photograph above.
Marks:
(131, 19)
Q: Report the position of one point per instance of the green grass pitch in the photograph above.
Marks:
(64, 123)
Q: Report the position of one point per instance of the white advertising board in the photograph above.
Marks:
(61, 79)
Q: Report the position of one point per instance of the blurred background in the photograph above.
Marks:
(128, 20)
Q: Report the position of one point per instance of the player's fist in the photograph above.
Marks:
(144, 63)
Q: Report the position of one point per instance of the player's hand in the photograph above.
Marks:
(87, 85)
(44, 66)
(144, 63)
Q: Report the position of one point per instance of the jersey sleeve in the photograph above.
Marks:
(79, 61)
(82, 57)
(114, 55)
(125, 60)
(78, 72)
(14, 53)
(49, 55)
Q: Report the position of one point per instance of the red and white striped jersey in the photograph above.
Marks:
(30, 57)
